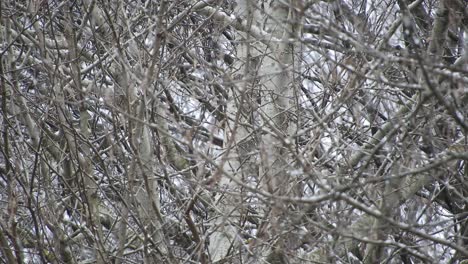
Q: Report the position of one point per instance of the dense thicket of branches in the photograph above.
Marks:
(234, 131)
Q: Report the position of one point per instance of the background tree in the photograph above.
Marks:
(234, 131)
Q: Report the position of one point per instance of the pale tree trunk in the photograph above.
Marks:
(277, 113)
(239, 143)
(258, 125)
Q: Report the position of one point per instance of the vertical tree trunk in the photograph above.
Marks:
(259, 123)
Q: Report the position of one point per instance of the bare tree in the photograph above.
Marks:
(234, 131)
